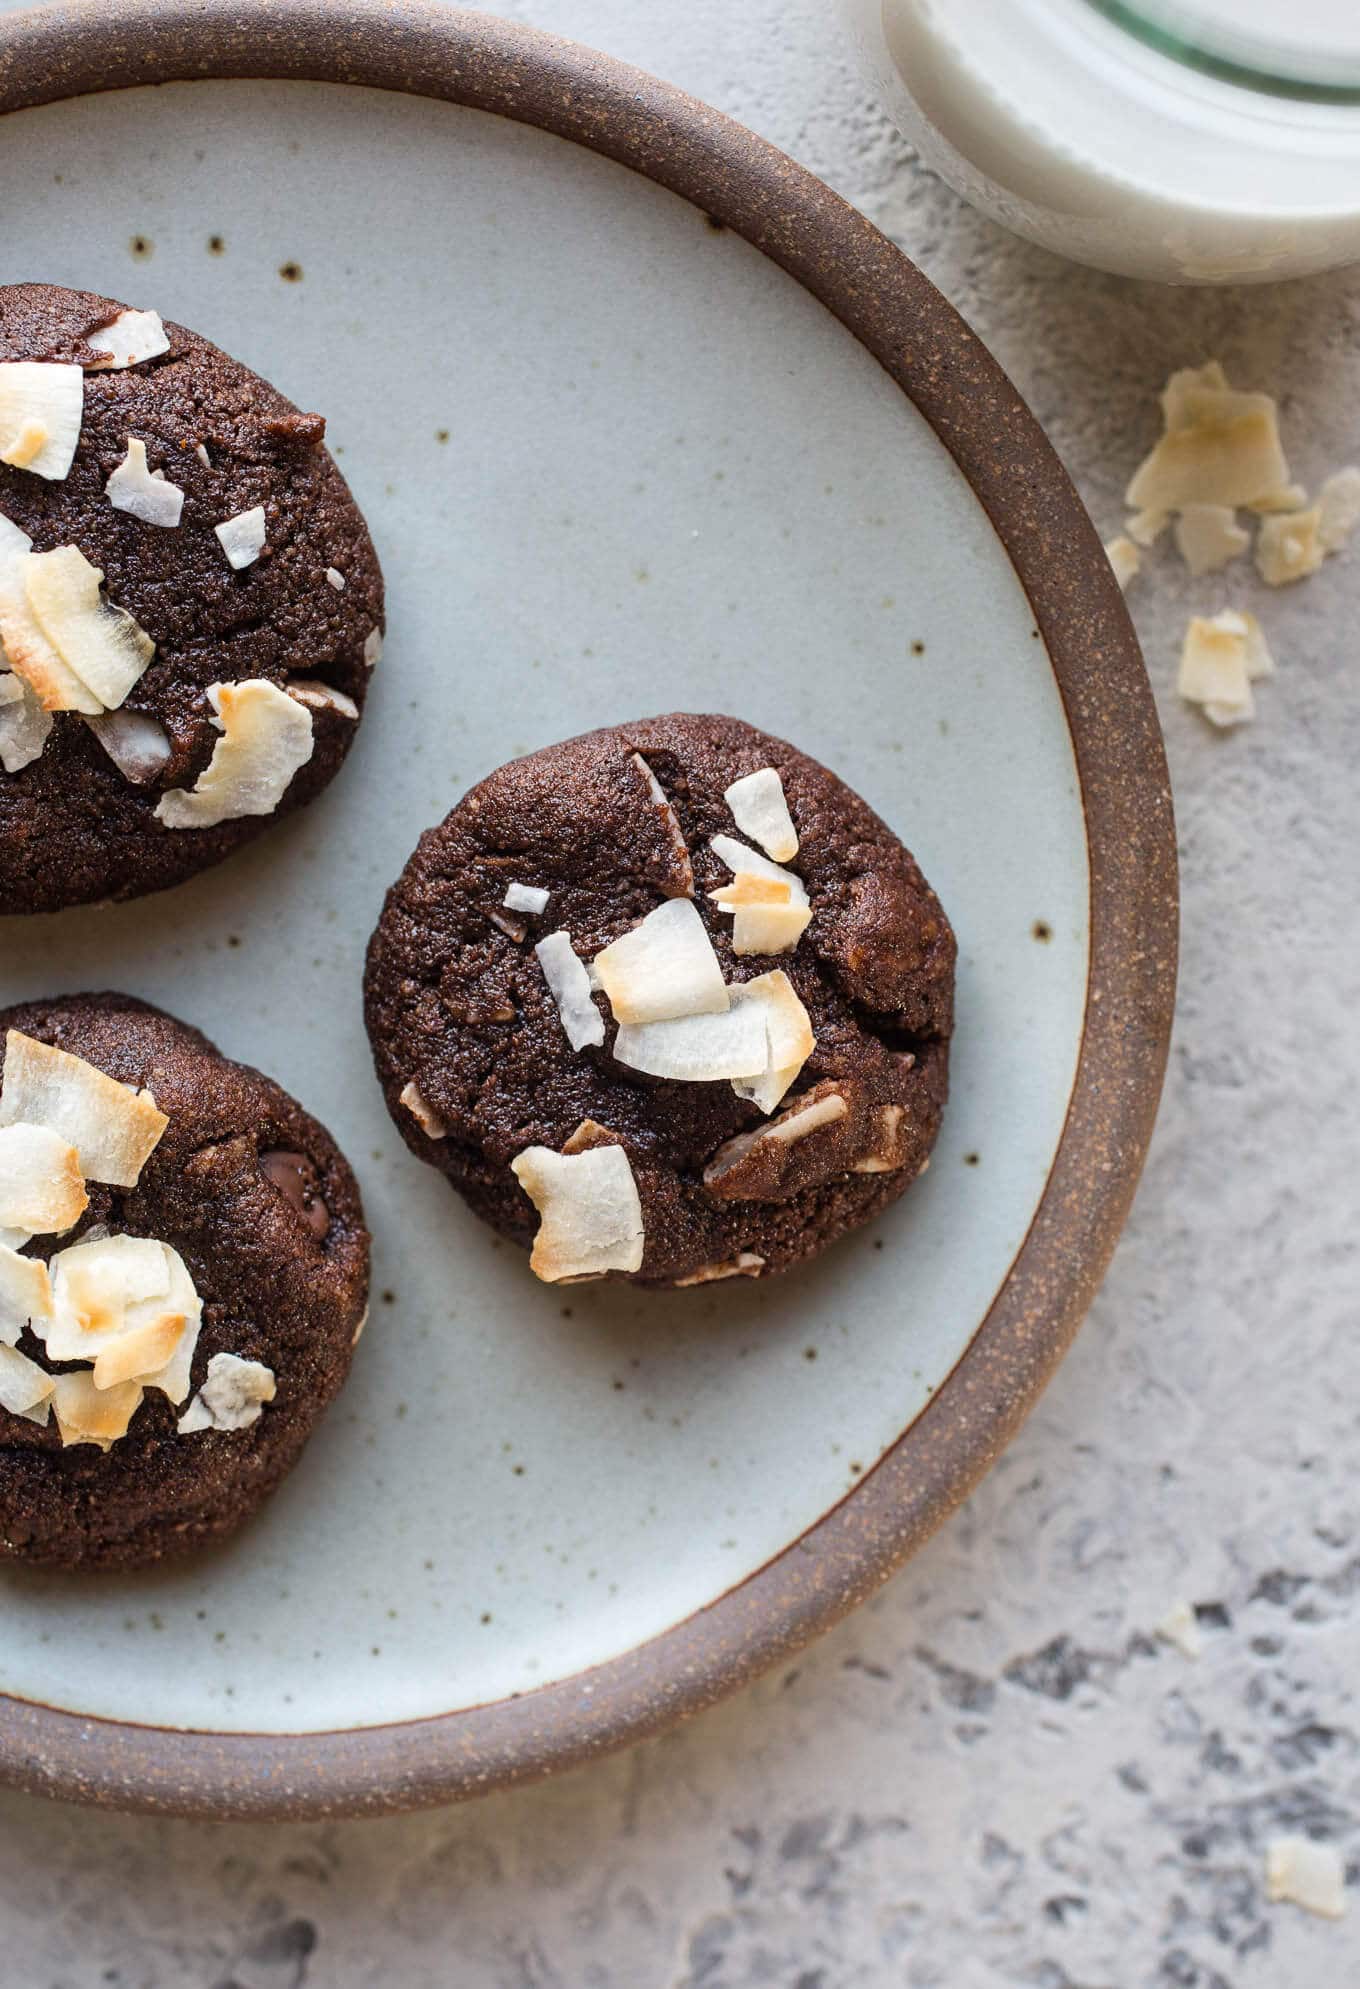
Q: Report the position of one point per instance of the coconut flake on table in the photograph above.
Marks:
(266, 738)
(1221, 657)
(1218, 446)
(133, 336)
(242, 538)
(373, 647)
(530, 898)
(24, 726)
(42, 406)
(589, 1209)
(760, 810)
(113, 1128)
(663, 968)
(142, 492)
(746, 1264)
(42, 1188)
(1146, 527)
(743, 861)
(232, 1397)
(569, 985)
(1338, 502)
(1289, 546)
(1208, 536)
(1307, 1874)
(1125, 559)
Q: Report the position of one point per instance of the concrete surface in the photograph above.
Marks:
(995, 1775)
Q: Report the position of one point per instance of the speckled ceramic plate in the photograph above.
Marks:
(642, 417)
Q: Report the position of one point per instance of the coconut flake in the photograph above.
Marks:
(12, 539)
(86, 1414)
(242, 537)
(591, 1217)
(373, 647)
(25, 1293)
(25, 1388)
(142, 492)
(748, 889)
(569, 984)
(100, 1286)
(132, 337)
(697, 1049)
(1219, 446)
(102, 645)
(768, 928)
(267, 736)
(664, 968)
(1338, 502)
(530, 898)
(29, 653)
(675, 835)
(335, 578)
(1216, 666)
(321, 697)
(136, 744)
(761, 811)
(1307, 1874)
(1291, 497)
(743, 861)
(746, 1264)
(41, 408)
(1146, 527)
(42, 1189)
(1208, 536)
(113, 1128)
(424, 1114)
(24, 725)
(1289, 547)
(1125, 559)
(232, 1397)
(1180, 1627)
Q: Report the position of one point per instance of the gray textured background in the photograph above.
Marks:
(994, 1775)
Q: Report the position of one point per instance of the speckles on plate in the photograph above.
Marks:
(1042, 931)
(291, 272)
(217, 245)
(141, 248)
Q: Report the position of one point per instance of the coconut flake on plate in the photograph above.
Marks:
(142, 492)
(131, 337)
(321, 697)
(1125, 559)
(266, 737)
(101, 645)
(42, 1188)
(25, 1388)
(424, 1114)
(675, 835)
(1208, 536)
(1219, 446)
(113, 1128)
(1289, 546)
(665, 967)
(242, 538)
(232, 1397)
(25, 1293)
(134, 741)
(24, 725)
(86, 1414)
(531, 898)
(589, 1210)
(569, 985)
(41, 408)
(743, 861)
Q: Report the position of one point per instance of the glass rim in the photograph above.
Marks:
(1276, 71)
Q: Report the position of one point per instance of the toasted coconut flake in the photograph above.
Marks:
(1146, 527)
(1125, 559)
(760, 810)
(531, 898)
(749, 889)
(768, 928)
(321, 697)
(136, 744)
(698, 1049)
(744, 862)
(25, 1294)
(29, 653)
(746, 1264)
(1306, 1874)
(424, 1114)
(1219, 447)
(1289, 547)
(142, 492)
(569, 985)
(588, 1134)
(1338, 502)
(101, 644)
(86, 1414)
(100, 1287)
(373, 647)
(25, 1388)
(24, 725)
(140, 1351)
(42, 1189)
(132, 337)
(113, 1128)
(41, 408)
(1208, 536)
(232, 1397)
(789, 1038)
(242, 538)
(12, 539)
(591, 1217)
(664, 968)
(684, 869)
(267, 736)
(1214, 669)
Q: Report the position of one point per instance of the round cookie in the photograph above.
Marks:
(471, 1043)
(250, 1220)
(84, 813)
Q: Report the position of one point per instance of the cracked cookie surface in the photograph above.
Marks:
(463, 1023)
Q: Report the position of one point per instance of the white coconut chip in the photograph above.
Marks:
(25, 1388)
(321, 697)
(424, 1114)
(1289, 547)
(102, 1287)
(12, 539)
(1208, 536)
(232, 1397)
(789, 1038)
(137, 745)
(743, 861)
(746, 1264)
(203, 455)
(671, 822)
(24, 726)
(530, 898)
(267, 736)
(664, 968)
(1125, 559)
(25, 1294)
(1146, 527)
(102, 645)
(1306, 1874)
(142, 492)
(86, 1414)
(591, 1216)
(242, 538)
(113, 1128)
(41, 408)
(1219, 447)
(698, 1049)
(29, 653)
(335, 578)
(1180, 1627)
(1220, 657)
(373, 647)
(42, 1189)
(768, 928)
(132, 337)
(569, 984)
(760, 810)
(140, 1350)
(1338, 501)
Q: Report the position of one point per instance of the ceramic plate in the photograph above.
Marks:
(625, 446)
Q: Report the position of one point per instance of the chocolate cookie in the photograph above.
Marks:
(183, 1275)
(755, 1060)
(190, 603)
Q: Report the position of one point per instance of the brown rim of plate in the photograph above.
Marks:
(744, 184)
